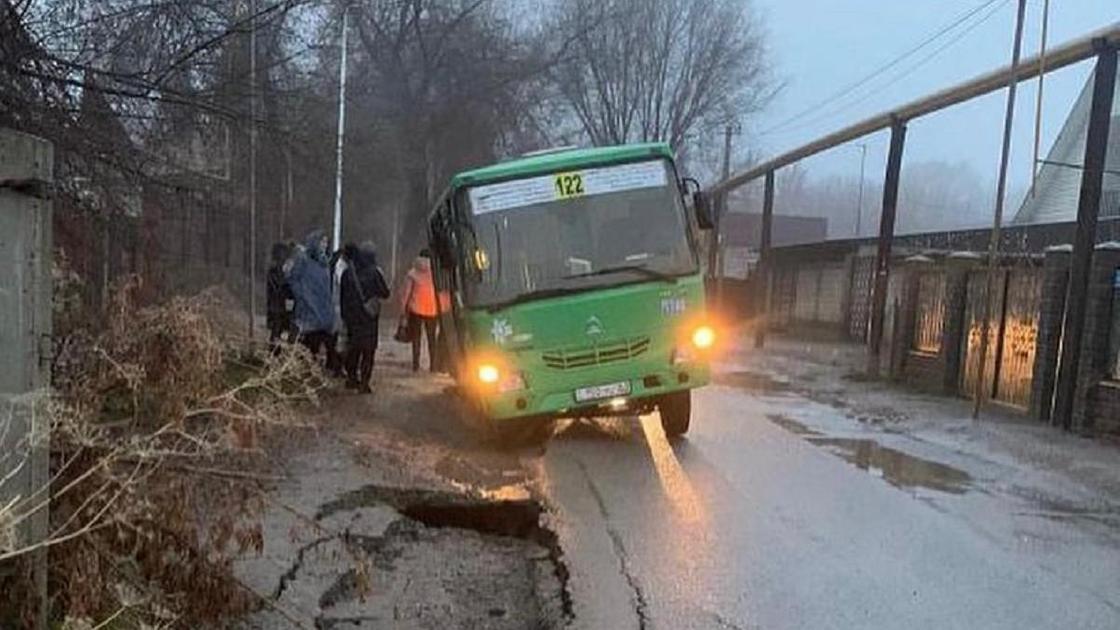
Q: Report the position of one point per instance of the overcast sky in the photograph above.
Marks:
(821, 47)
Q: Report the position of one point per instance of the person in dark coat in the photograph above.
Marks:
(278, 297)
(362, 288)
(310, 281)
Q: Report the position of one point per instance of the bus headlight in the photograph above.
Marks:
(703, 337)
(488, 374)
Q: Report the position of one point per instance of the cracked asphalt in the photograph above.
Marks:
(800, 498)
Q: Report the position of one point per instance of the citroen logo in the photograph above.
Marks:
(594, 327)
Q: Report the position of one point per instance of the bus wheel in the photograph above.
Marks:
(675, 410)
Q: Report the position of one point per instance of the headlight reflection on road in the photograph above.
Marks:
(674, 481)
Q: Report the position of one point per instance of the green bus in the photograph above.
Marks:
(572, 287)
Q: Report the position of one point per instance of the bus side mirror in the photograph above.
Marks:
(702, 206)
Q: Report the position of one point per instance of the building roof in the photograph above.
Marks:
(744, 229)
(551, 162)
(1058, 184)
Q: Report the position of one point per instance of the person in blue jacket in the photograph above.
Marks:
(310, 282)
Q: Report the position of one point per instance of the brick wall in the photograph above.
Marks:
(1104, 407)
(1048, 342)
(1094, 364)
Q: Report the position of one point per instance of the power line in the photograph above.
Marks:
(880, 70)
(904, 72)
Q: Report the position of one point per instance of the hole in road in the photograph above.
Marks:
(514, 518)
(897, 468)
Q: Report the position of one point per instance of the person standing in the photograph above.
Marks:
(310, 282)
(362, 288)
(419, 305)
(278, 296)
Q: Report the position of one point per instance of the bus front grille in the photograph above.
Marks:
(598, 354)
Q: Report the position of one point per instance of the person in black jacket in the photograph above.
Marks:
(278, 297)
(362, 287)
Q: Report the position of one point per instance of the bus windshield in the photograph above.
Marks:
(576, 230)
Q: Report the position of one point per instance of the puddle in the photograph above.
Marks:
(791, 425)
(756, 382)
(895, 467)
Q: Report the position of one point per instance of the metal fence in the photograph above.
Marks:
(930, 312)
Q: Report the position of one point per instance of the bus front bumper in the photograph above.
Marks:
(556, 397)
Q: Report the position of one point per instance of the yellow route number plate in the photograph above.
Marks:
(568, 185)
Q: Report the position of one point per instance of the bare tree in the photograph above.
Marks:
(644, 70)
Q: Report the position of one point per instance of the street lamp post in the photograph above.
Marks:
(336, 240)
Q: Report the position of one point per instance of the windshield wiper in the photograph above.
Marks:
(529, 296)
(652, 273)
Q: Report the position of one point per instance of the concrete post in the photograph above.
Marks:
(26, 173)
(1048, 343)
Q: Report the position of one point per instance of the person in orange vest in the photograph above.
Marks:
(421, 307)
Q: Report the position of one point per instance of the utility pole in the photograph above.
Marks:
(881, 274)
(859, 199)
(1038, 98)
(336, 241)
(997, 222)
(252, 165)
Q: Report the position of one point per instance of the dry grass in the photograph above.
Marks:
(158, 437)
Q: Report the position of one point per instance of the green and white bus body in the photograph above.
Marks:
(573, 286)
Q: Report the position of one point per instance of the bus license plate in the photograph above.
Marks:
(596, 392)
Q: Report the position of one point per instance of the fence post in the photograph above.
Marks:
(26, 172)
(764, 263)
(881, 272)
(1085, 236)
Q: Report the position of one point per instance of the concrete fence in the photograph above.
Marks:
(934, 315)
(26, 166)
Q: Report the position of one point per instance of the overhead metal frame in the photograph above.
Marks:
(1066, 54)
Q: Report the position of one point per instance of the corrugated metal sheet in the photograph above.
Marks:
(1057, 186)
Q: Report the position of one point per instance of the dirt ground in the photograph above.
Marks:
(397, 513)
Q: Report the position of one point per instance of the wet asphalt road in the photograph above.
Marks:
(747, 524)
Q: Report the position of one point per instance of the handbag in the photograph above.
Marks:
(404, 332)
(371, 305)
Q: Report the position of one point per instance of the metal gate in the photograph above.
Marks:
(782, 296)
(860, 295)
(1011, 335)
(974, 311)
(1018, 335)
(930, 313)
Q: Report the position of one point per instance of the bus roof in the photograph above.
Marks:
(552, 162)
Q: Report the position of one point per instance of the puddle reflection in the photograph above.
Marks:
(674, 481)
(895, 467)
